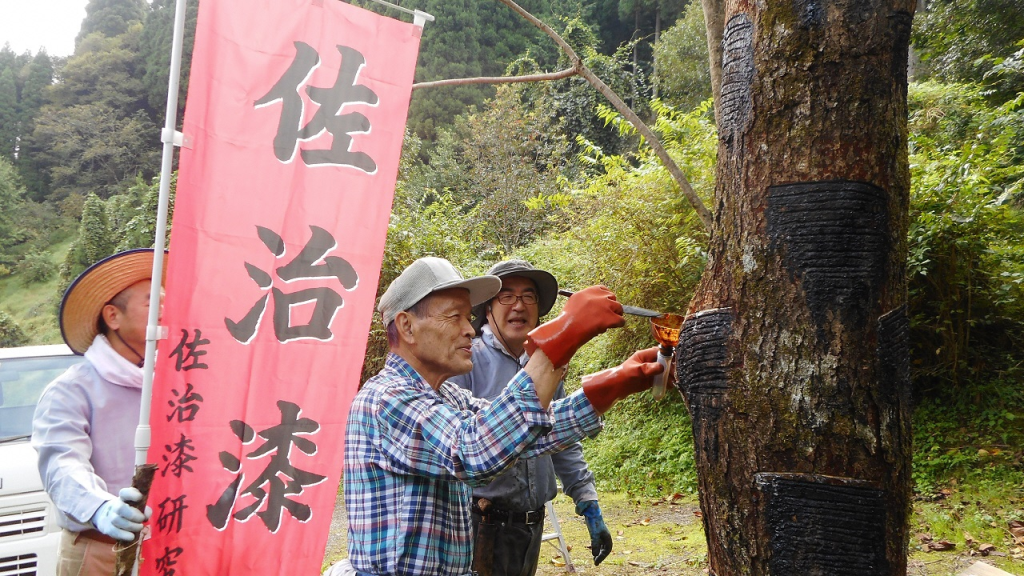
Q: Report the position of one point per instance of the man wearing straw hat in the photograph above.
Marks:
(508, 513)
(415, 443)
(84, 424)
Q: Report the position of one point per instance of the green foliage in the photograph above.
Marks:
(630, 229)
(572, 103)
(38, 78)
(683, 79)
(94, 148)
(421, 224)
(134, 222)
(11, 194)
(110, 17)
(972, 439)
(35, 267)
(959, 40)
(95, 133)
(468, 38)
(11, 334)
(646, 448)
(494, 162)
(95, 241)
(106, 71)
(156, 53)
(966, 256)
(9, 119)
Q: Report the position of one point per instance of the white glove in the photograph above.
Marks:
(117, 519)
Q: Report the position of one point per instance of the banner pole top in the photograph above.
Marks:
(419, 17)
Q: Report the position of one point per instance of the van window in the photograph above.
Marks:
(22, 381)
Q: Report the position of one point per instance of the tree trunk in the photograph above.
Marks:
(794, 357)
(657, 38)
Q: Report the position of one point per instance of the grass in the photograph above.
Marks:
(969, 516)
(34, 306)
(659, 535)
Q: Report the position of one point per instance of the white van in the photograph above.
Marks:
(29, 535)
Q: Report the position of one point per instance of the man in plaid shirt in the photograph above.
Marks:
(416, 444)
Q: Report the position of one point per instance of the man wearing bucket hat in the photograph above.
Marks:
(84, 423)
(508, 513)
(416, 443)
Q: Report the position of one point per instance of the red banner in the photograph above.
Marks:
(293, 130)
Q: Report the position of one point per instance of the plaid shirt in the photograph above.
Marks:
(412, 455)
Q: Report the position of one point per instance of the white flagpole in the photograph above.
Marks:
(170, 137)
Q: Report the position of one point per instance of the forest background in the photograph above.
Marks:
(548, 172)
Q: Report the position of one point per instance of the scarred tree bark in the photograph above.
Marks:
(794, 357)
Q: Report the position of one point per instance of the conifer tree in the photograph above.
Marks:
(93, 243)
(110, 17)
(8, 114)
(94, 232)
(156, 53)
(38, 77)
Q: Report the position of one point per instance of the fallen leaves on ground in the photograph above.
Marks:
(940, 546)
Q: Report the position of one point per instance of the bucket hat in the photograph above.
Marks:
(84, 299)
(547, 287)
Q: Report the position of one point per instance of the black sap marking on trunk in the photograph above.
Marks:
(833, 239)
(737, 75)
(701, 372)
(824, 526)
(894, 353)
(900, 26)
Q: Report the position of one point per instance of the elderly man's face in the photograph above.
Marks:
(512, 322)
(443, 336)
(128, 316)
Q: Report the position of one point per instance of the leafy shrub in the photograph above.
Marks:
(629, 228)
(35, 267)
(971, 439)
(966, 238)
(11, 334)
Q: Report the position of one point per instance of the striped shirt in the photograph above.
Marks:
(413, 454)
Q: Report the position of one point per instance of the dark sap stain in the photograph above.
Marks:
(833, 240)
(823, 526)
(701, 372)
(894, 353)
(737, 76)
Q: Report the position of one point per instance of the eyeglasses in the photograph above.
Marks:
(509, 299)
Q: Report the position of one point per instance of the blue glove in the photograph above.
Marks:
(117, 519)
(600, 537)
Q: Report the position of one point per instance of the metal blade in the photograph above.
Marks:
(633, 310)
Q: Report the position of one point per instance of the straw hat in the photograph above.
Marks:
(84, 300)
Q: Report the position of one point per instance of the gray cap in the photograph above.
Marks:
(547, 287)
(426, 276)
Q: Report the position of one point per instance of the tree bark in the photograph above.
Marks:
(794, 355)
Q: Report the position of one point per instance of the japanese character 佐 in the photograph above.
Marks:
(328, 117)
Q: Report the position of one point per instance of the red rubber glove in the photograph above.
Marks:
(634, 375)
(586, 314)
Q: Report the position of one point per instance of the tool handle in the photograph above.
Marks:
(658, 389)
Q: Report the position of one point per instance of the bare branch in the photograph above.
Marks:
(498, 79)
(616, 102)
(626, 112)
